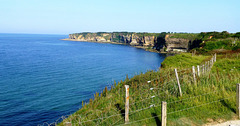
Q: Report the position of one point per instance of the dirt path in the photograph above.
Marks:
(228, 123)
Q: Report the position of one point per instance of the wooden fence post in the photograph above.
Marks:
(215, 57)
(209, 68)
(212, 62)
(202, 69)
(164, 113)
(179, 86)
(205, 69)
(238, 100)
(194, 74)
(206, 65)
(127, 105)
(68, 124)
(198, 70)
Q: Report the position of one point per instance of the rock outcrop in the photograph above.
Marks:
(176, 44)
(157, 41)
(132, 39)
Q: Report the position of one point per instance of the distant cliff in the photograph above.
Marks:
(164, 42)
(138, 39)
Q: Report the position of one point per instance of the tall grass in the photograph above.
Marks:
(195, 107)
(183, 60)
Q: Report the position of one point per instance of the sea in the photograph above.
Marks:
(43, 78)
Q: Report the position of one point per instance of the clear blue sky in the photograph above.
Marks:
(70, 16)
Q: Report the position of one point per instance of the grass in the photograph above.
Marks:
(210, 99)
(183, 60)
(222, 44)
(190, 36)
(197, 103)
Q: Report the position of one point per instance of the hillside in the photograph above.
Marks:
(206, 97)
(211, 99)
(162, 42)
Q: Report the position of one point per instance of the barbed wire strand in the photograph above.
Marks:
(159, 77)
(200, 105)
(176, 111)
(191, 97)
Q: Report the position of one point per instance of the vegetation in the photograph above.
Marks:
(190, 36)
(210, 99)
(147, 34)
(183, 60)
(236, 35)
(214, 35)
(227, 44)
(208, 41)
(218, 85)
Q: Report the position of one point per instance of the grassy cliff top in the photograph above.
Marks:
(203, 36)
(213, 92)
(190, 36)
(210, 99)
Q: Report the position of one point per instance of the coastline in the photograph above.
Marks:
(67, 39)
(139, 47)
(112, 96)
(118, 83)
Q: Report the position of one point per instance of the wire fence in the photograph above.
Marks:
(148, 96)
(178, 110)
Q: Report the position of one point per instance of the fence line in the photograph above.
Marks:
(117, 114)
(162, 89)
(103, 117)
(208, 66)
(200, 105)
(200, 71)
(179, 101)
(179, 110)
(192, 97)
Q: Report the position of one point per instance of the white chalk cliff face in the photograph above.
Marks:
(131, 39)
(176, 43)
(135, 39)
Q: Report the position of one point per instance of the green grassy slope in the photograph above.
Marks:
(195, 107)
(183, 60)
(210, 99)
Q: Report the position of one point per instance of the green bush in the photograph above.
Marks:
(222, 44)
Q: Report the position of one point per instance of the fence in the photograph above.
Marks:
(205, 69)
(159, 92)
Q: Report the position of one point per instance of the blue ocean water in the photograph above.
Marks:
(43, 78)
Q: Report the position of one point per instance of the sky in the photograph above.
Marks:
(74, 16)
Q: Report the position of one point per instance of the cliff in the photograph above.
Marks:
(176, 44)
(138, 39)
(164, 42)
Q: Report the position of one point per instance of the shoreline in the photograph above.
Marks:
(139, 47)
(102, 99)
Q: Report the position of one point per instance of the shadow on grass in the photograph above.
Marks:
(122, 111)
(157, 120)
(228, 106)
